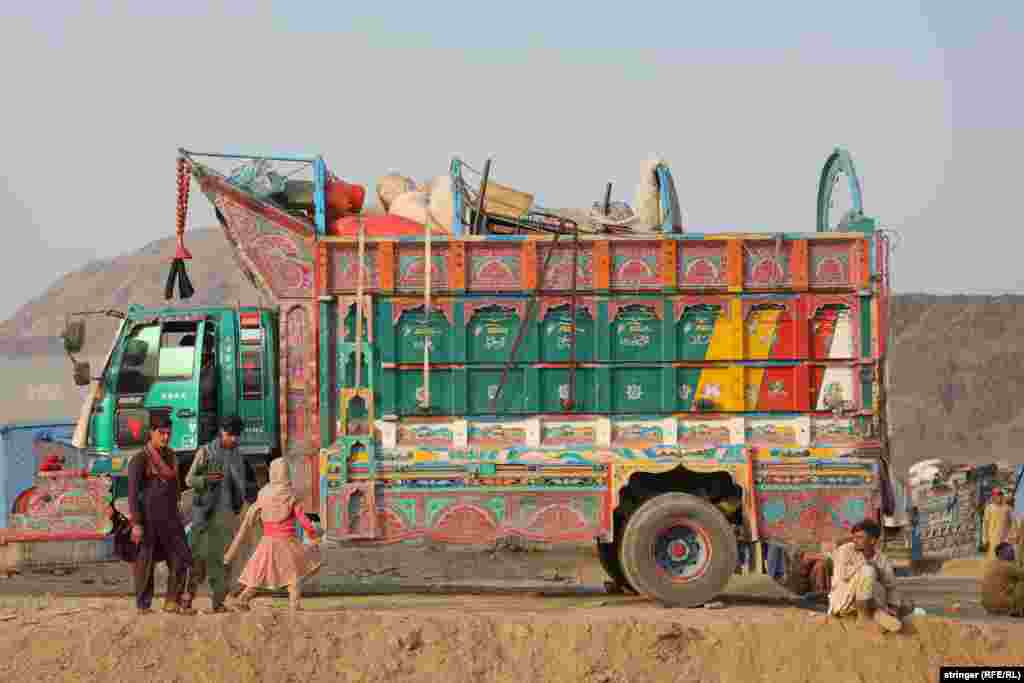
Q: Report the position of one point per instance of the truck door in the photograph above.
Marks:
(209, 386)
(160, 370)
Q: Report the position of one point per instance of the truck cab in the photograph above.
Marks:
(200, 364)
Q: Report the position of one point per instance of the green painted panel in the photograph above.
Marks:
(603, 340)
(410, 387)
(636, 389)
(384, 336)
(687, 380)
(491, 334)
(554, 386)
(556, 336)
(350, 325)
(406, 508)
(483, 385)
(636, 335)
(435, 506)
(591, 508)
(867, 388)
(694, 332)
(865, 327)
(497, 506)
(413, 332)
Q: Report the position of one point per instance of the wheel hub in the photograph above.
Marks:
(678, 550)
(682, 551)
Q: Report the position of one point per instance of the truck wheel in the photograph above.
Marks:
(608, 554)
(679, 550)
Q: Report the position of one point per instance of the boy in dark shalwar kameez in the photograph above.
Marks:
(154, 496)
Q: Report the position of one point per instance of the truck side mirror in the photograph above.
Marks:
(83, 374)
(74, 336)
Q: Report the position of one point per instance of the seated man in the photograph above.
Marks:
(863, 580)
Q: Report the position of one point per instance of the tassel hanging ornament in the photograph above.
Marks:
(185, 289)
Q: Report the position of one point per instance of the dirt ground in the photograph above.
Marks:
(80, 625)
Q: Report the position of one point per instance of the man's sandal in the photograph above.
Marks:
(217, 609)
(175, 608)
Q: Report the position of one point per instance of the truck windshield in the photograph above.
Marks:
(153, 353)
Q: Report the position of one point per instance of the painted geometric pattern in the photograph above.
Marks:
(296, 333)
(495, 269)
(829, 264)
(412, 273)
(812, 515)
(635, 266)
(558, 274)
(835, 431)
(473, 518)
(705, 332)
(65, 505)
(769, 333)
(345, 275)
(703, 265)
(832, 335)
(767, 264)
(834, 387)
(283, 260)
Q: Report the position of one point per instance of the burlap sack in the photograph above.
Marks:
(1002, 588)
(411, 205)
(647, 200)
(441, 201)
(391, 186)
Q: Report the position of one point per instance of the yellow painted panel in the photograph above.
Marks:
(722, 386)
(727, 338)
(760, 331)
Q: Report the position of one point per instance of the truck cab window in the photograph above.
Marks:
(139, 360)
(177, 351)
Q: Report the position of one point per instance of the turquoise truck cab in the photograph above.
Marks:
(199, 363)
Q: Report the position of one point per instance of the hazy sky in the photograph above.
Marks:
(745, 100)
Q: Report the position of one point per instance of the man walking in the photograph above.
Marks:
(218, 479)
(154, 496)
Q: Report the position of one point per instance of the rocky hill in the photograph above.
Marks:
(957, 365)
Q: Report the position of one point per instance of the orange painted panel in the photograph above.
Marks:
(864, 261)
(457, 272)
(734, 265)
(602, 265)
(799, 267)
(530, 266)
(386, 263)
(669, 270)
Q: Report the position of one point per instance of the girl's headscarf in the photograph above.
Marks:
(277, 498)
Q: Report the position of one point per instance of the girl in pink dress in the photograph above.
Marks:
(280, 559)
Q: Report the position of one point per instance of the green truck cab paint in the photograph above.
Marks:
(200, 364)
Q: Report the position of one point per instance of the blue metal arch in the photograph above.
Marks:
(840, 162)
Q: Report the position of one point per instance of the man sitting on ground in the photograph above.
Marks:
(863, 580)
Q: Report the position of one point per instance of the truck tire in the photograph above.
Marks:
(608, 555)
(679, 550)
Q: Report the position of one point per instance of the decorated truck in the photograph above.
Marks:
(509, 372)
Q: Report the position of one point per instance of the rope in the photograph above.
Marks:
(183, 187)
